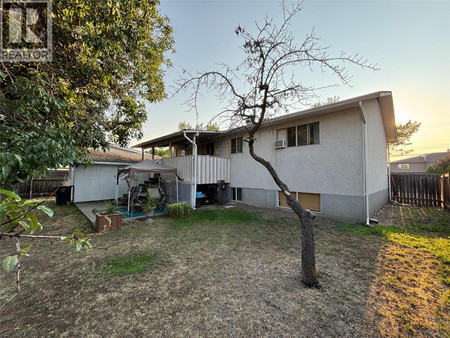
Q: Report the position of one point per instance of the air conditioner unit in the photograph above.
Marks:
(280, 144)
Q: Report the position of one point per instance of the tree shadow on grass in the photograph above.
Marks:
(410, 292)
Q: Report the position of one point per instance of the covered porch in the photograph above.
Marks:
(192, 153)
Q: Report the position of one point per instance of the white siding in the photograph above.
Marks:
(96, 182)
(210, 169)
(184, 166)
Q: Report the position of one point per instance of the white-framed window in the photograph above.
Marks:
(304, 134)
(236, 194)
(403, 166)
(236, 145)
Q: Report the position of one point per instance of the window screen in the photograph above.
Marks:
(291, 137)
(236, 145)
(302, 135)
(314, 133)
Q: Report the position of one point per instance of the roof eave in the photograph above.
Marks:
(388, 115)
(165, 140)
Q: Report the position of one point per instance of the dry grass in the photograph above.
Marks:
(224, 272)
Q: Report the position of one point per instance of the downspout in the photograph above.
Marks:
(194, 151)
(365, 161)
(389, 173)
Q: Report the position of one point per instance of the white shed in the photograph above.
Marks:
(97, 182)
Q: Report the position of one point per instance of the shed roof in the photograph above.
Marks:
(117, 155)
(148, 166)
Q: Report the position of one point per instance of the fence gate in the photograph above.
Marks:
(421, 189)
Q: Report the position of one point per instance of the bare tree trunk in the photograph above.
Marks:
(309, 277)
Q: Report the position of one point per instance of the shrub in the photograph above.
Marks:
(178, 209)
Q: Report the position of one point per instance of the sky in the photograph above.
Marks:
(408, 40)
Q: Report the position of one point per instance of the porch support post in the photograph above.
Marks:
(194, 150)
(170, 149)
(116, 195)
(142, 154)
(153, 153)
(176, 180)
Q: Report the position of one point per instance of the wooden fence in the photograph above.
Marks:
(43, 186)
(421, 189)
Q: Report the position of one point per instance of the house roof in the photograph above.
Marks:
(117, 155)
(384, 98)
(425, 158)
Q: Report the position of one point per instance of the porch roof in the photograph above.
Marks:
(178, 138)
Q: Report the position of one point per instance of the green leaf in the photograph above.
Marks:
(10, 194)
(9, 263)
(46, 209)
(79, 245)
(24, 250)
(87, 245)
(34, 222)
(25, 225)
(3, 212)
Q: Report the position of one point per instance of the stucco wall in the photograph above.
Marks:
(376, 140)
(332, 167)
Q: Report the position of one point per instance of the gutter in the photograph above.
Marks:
(115, 163)
(365, 161)
(194, 151)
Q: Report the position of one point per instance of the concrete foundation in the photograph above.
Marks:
(340, 207)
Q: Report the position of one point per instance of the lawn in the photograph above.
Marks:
(234, 272)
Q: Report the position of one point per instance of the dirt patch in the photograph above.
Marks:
(211, 278)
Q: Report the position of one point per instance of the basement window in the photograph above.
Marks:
(237, 194)
(307, 200)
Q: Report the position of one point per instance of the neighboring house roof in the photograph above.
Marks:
(425, 158)
(117, 155)
(384, 98)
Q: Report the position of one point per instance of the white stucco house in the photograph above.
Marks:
(97, 182)
(333, 158)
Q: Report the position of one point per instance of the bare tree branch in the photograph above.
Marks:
(265, 83)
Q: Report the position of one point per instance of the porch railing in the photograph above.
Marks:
(210, 169)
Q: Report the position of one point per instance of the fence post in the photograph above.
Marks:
(31, 188)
